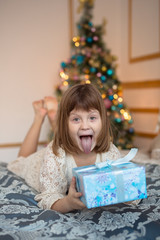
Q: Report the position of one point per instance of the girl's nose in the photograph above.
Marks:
(84, 124)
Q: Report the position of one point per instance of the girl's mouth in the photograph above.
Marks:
(86, 143)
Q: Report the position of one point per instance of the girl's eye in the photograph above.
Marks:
(75, 119)
(92, 118)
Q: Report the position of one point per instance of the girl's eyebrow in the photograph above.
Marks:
(94, 111)
(90, 112)
(72, 113)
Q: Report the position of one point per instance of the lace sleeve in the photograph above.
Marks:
(113, 153)
(53, 183)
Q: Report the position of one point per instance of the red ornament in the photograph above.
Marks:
(107, 103)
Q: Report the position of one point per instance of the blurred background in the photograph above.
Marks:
(35, 38)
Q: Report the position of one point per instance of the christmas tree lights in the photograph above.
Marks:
(92, 62)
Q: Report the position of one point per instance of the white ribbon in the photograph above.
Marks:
(126, 159)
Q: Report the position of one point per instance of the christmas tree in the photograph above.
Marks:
(92, 62)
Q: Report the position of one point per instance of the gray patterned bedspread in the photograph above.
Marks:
(20, 218)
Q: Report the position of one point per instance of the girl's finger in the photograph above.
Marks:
(78, 194)
(73, 183)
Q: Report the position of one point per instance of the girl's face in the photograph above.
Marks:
(84, 128)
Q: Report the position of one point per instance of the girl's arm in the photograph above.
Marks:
(30, 142)
(53, 184)
(71, 201)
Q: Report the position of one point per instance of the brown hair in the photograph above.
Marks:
(86, 97)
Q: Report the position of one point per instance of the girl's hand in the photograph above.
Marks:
(73, 201)
(70, 202)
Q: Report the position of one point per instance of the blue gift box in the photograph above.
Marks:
(110, 184)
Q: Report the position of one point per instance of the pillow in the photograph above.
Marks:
(155, 148)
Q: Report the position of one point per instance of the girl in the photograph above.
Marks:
(81, 137)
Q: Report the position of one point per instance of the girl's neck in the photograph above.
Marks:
(83, 159)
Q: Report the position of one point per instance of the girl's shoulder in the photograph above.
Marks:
(49, 153)
(112, 154)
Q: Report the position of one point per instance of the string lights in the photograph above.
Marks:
(92, 62)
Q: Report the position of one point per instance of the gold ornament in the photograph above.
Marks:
(114, 58)
(83, 43)
(86, 26)
(76, 44)
(103, 95)
(88, 81)
(96, 64)
(74, 39)
(114, 87)
(82, 3)
(86, 70)
(86, 76)
(104, 22)
(115, 102)
(104, 68)
(129, 145)
(91, 62)
(120, 99)
(108, 58)
(65, 83)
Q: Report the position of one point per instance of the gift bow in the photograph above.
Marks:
(126, 159)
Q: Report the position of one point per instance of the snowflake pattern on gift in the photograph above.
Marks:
(112, 185)
(102, 178)
(133, 185)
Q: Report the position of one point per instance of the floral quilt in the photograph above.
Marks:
(21, 219)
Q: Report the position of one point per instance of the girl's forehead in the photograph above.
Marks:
(80, 110)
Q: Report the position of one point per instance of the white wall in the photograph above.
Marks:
(34, 40)
(140, 71)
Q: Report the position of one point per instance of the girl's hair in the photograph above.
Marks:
(85, 97)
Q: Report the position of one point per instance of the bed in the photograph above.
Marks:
(20, 218)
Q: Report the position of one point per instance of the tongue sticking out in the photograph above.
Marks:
(86, 142)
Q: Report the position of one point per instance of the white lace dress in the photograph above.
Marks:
(51, 175)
